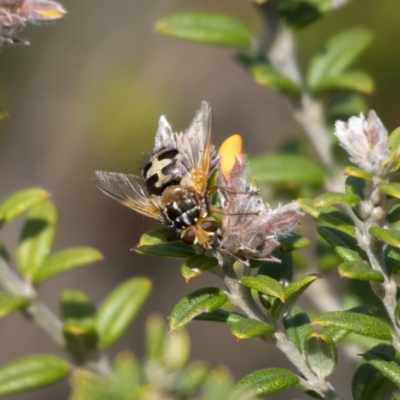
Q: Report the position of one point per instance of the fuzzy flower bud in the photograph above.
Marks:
(250, 228)
(14, 14)
(365, 140)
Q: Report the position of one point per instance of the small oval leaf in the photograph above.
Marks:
(20, 202)
(37, 237)
(205, 27)
(265, 74)
(263, 382)
(248, 328)
(321, 354)
(298, 327)
(389, 236)
(31, 372)
(65, 260)
(120, 308)
(357, 323)
(392, 189)
(394, 214)
(358, 81)
(328, 199)
(263, 284)
(357, 173)
(202, 300)
(293, 242)
(285, 169)
(197, 265)
(337, 55)
(359, 270)
(345, 246)
(10, 303)
(164, 242)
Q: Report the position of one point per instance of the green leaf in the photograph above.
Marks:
(397, 313)
(197, 265)
(394, 214)
(358, 81)
(357, 323)
(263, 382)
(293, 242)
(192, 377)
(248, 328)
(218, 384)
(199, 301)
(394, 143)
(321, 354)
(263, 284)
(357, 173)
(300, 13)
(282, 271)
(155, 336)
(392, 259)
(31, 372)
(343, 105)
(328, 214)
(19, 202)
(10, 303)
(369, 384)
(120, 308)
(389, 236)
(392, 189)
(65, 260)
(265, 74)
(220, 315)
(164, 242)
(79, 324)
(359, 270)
(338, 334)
(291, 294)
(337, 55)
(286, 169)
(328, 199)
(36, 238)
(126, 377)
(297, 325)
(205, 27)
(176, 350)
(386, 365)
(345, 246)
(88, 385)
(356, 185)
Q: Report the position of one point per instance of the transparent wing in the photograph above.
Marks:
(197, 146)
(128, 190)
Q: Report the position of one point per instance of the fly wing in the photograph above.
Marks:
(196, 145)
(128, 190)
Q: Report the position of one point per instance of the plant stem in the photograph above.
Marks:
(42, 316)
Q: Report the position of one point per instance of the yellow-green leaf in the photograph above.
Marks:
(65, 260)
(10, 303)
(392, 189)
(31, 372)
(205, 27)
(359, 270)
(264, 284)
(320, 354)
(197, 265)
(20, 202)
(119, 308)
(263, 382)
(248, 328)
(202, 300)
(357, 323)
(328, 199)
(37, 237)
(389, 236)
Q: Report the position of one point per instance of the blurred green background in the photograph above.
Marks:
(88, 93)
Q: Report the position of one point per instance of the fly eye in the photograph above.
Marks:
(188, 236)
(209, 225)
